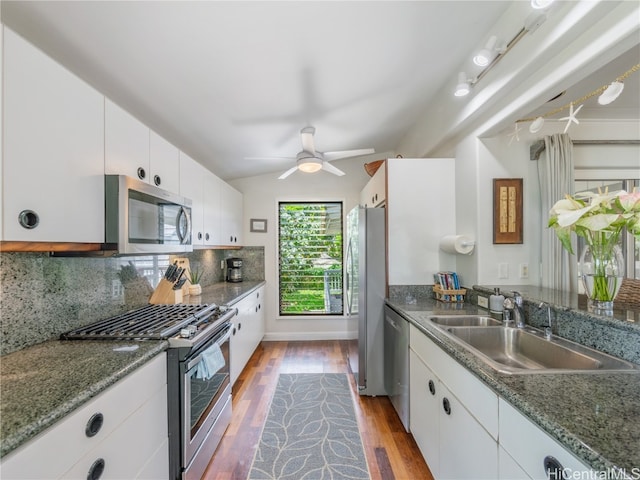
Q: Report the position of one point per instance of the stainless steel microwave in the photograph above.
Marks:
(142, 218)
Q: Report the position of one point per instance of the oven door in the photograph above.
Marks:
(205, 382)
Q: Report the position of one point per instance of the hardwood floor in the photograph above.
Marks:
(391, 452)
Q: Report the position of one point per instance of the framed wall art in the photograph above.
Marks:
(258, 225)
(507, 210)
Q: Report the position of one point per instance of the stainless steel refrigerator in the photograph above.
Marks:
(365, 294)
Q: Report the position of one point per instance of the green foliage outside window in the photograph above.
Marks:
(310, 244)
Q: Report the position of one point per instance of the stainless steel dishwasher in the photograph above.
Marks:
(396, 362)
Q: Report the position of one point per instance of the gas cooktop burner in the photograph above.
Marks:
(153, 322)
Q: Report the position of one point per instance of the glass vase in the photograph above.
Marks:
(601, 270)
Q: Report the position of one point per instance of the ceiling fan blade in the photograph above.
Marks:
(347, 153)
(287, 173)
(331, 169)
(306, 136)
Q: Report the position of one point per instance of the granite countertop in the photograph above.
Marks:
(594, 415)
(224, 293)
(41, 384)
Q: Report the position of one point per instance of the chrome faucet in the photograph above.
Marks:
(515, 305)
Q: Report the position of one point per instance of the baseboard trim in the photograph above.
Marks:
(307, 336)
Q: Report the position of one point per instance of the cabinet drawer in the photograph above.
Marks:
(481, 402)
(60, 447)
(126, 450)
(528, 445)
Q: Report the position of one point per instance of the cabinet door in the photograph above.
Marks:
(248, 331)
(126, 144)
(528, 445)
(374, 192)
(191, 186)
(66, 443)
(212, 209)
(424, 405)
(467, 451)
(53, 162)
(126, 450)
(508, 469)
(164, 162)
(256, 332)
(420, 210)
(231, 215)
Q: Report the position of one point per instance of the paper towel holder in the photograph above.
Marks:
(458, 244)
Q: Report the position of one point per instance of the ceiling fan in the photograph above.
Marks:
(309, 160)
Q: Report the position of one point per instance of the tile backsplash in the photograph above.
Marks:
(42, 296)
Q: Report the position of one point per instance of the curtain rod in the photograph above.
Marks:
(538, 147)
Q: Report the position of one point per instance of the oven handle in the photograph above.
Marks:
(219, 342)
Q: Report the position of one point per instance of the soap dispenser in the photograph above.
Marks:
(496, 301)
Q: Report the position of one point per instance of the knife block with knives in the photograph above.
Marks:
(169, 290)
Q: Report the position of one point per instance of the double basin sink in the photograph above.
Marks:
(524, 350)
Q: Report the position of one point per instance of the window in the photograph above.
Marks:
(310, 258)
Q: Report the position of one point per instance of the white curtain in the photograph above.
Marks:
(555, 174)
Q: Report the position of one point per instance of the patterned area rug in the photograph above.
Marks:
(311, 431)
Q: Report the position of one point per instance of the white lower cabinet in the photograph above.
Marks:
(424, 406)
(453, 416)
(529, 447)
(121, 432)
(508, 468)
(465, 431)
(247, 331)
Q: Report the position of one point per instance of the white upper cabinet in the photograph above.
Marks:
(53, 163)
(374, 192)
(212, 196)
(231, 215)
(217, 207)
(164, 163)
(420, 207)
(132, 149)
(126, 143)
(191, 186)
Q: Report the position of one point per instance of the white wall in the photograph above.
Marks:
(261, 196)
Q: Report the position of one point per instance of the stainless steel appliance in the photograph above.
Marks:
(365, 294)
(234, 269)
(198, 387)
(142, 218)
(396, 362)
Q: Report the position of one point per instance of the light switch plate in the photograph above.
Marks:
(503, 270)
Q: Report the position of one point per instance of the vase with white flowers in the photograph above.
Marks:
(599, 218)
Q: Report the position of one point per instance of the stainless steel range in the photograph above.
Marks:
(199, 392)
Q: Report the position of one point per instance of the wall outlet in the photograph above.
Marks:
(483, 301)
(503, 270)
(524, 270)
(221, 264)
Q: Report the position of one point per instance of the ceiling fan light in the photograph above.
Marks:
(309, 165)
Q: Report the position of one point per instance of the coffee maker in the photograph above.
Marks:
(234, 269)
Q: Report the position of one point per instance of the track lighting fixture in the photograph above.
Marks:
(540, 4)
(488, 53)
(464, 85)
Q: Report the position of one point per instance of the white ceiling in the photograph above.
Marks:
(226, 80)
